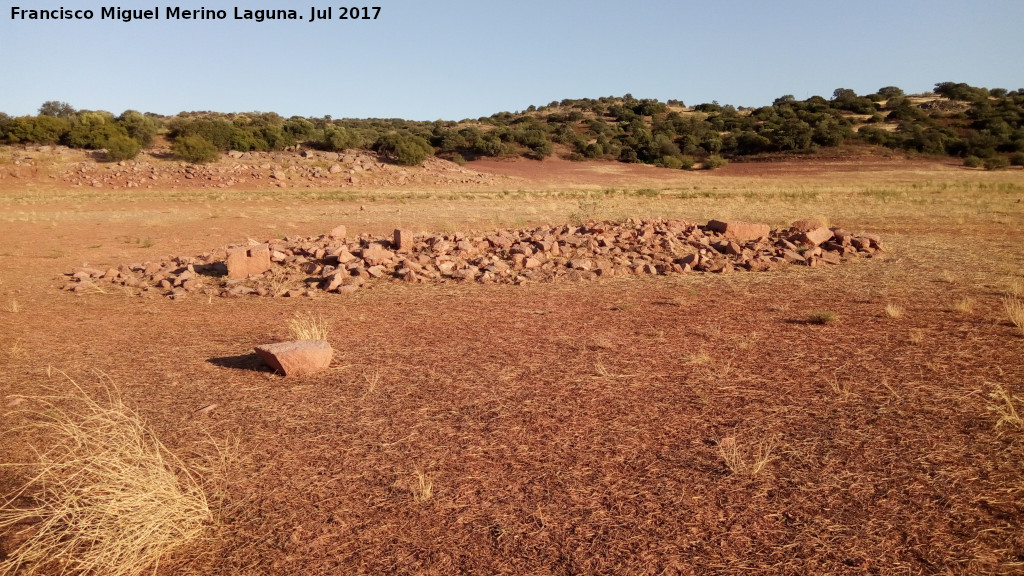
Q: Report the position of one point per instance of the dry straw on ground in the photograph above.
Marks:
(105, 496)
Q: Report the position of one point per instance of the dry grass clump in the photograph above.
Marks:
(309, 326)
(822, 317)
(916, 336)
(1016, 288)
(963, 305)
(746, 462)
(105, 497)
(894, 311)
(1005, 408)
(424, 488)
(13, 306)
(1015, 311)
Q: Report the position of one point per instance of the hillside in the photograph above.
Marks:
(979, 125)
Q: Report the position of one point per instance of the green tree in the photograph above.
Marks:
(56, 109)
(140, 127)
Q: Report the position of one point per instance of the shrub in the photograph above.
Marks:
(973, 162)
(404, 148)
(996, 163)
(673, 162)
(714, 162)
(686, 162)
(195, 149)
(122, 148)
(1017, 159)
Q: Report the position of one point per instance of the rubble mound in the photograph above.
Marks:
(297, 266)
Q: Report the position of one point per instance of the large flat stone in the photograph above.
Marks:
(297, 357)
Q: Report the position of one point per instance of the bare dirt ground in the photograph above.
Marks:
(559, 428)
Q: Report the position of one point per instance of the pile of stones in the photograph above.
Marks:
(333, 262)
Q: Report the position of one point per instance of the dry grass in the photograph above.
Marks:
(746, 461)
(963, 305)
(1004, 406)
(424, 488)
(309, 326)
(105, 496)
(894, 311)
(13, 306)
(1015, 311)
(1016, 288)
(916, 336)
(822, 317)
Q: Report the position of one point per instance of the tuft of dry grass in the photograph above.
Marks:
(949, 278)
(699, 358)
(309, 326)
(963, 305)
(894, 311)
(1015, 311)
(424, 488)
(841, 389)
(13, 306)
(822, 317)
(105, 496)
(746, 461)
(1016, 288)
(1004, 406)
(916, 336)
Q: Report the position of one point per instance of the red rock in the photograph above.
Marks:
(403, 240)
(297, 357)
(862, 244)
(244, 262)
(738, 230)
(830, 258)
(793, 257)
(375, 254)
(806, 225)
(816, 236)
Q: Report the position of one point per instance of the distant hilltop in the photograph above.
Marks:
(982, 126)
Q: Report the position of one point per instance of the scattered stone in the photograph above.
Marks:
(295, 266)
(297, 357)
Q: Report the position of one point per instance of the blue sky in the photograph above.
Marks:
(454, 59)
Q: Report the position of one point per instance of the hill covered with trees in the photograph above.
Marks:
(982, 126)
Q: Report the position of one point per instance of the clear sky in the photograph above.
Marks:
(455, 59)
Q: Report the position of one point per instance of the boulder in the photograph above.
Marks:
(403, 240)
(338, 232)
(244, 262)
(806, 225)
(297, 357)
(815, 237)
(739, 230)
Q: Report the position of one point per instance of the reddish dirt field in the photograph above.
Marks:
(564, 428)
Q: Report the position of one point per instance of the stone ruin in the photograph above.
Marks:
(333, 262)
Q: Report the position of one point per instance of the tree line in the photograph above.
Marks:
(982, 126)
